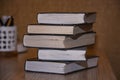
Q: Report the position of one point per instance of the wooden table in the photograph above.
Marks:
(13, 69)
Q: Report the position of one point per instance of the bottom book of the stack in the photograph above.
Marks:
(61, 67)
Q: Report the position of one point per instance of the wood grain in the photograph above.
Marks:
(12, 68)
(106, 26)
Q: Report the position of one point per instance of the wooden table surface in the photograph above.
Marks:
(13, 69)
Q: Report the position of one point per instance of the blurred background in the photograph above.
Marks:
(107, 24)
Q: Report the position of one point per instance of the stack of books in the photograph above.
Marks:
(62, 40)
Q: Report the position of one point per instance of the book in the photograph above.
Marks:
(58, 29)
(62, 67)
(66, 18)
(77, 54)
(61, 42)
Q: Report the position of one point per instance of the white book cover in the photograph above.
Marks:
(59, 29)
(61, 42)
(59, 67)
(77, 54)
(66, 18)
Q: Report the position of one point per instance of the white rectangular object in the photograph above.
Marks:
(62, 55)
(59, 67)
(58, 29)
(66, 18)
(53, 41)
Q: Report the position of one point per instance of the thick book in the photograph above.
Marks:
(66, 18)
(77, 54)
(61, 42)
(58, 29)
(35, 65)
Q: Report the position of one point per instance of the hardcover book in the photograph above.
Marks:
(61, 42)
(77, 54)
(62, 67)
(59, 29)
(66, 18)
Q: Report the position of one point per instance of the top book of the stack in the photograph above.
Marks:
(66, 18)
